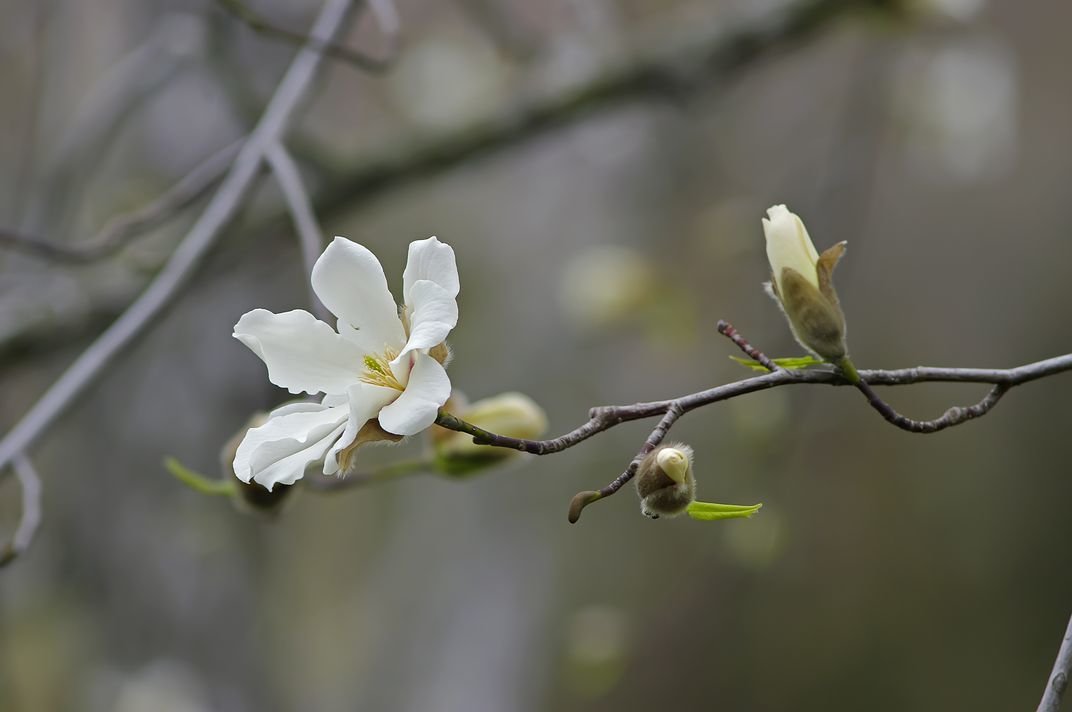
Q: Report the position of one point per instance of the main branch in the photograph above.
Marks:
(605, 417)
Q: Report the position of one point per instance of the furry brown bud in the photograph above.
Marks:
(665, 481)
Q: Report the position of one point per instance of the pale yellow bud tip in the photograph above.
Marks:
(674, 463)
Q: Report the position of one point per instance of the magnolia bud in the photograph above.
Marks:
(512, 414)
(801, 284)
(665, 481)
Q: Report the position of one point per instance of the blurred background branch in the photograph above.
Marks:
(1059, 678)
(30, 517)
(383, 10)
(671, 69)
(120, 230)
(180, 266)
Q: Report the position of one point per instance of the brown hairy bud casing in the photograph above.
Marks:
(665, 481)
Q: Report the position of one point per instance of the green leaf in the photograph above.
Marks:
(198, 482)
(792, 362)
(712, 511)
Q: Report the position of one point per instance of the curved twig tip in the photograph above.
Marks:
(579, 502)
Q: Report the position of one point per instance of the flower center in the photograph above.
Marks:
(378, 371)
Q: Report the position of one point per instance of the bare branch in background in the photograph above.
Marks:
(102, 115)
(383, 10)
(202, 236)
(672, 67)
(605, 417)
(1059, 678)
(310, 236)
(120, 230)
(30, 482)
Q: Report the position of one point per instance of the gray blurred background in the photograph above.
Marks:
(887, 571)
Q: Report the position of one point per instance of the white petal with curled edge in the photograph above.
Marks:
(435, 313)
(432, 260)
(350, 282)
(301, 352)
(417, 407)
(291, 468)
(297, 407)
(365, 402)
(285, 435)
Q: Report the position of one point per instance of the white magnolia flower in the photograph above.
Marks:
(382, 369)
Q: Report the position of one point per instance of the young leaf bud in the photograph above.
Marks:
(665, 481)
(802, 284)
(511, 414)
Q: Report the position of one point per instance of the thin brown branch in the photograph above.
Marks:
(1062, 672)
(30, 482)
(726, 329)
(366, 62)
(122, 229)
(954, 416)
(605, 417)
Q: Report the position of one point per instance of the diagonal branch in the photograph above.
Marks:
(205, 232)
(1059, 678)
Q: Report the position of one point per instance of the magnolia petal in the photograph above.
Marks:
(289, 433)
(301, 352)
(365, 402)
(788, 245)
(431, 260)
(291, 468)
(298, 407)
(434, 314)
(417, 407)
(350, 282)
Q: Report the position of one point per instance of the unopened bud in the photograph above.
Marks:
(512, 414)
(802, 284)
(665, 481)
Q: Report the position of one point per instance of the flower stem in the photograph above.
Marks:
(197, 481)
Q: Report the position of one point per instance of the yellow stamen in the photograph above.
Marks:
(378, 371)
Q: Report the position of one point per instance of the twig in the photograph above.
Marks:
(583, 499)
(954, 416)
(388, 21)
(30, 483)
(1058, 680)
(121, 229)
(605, 417)
(310, 236)
(726, 329)
(202, 236)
